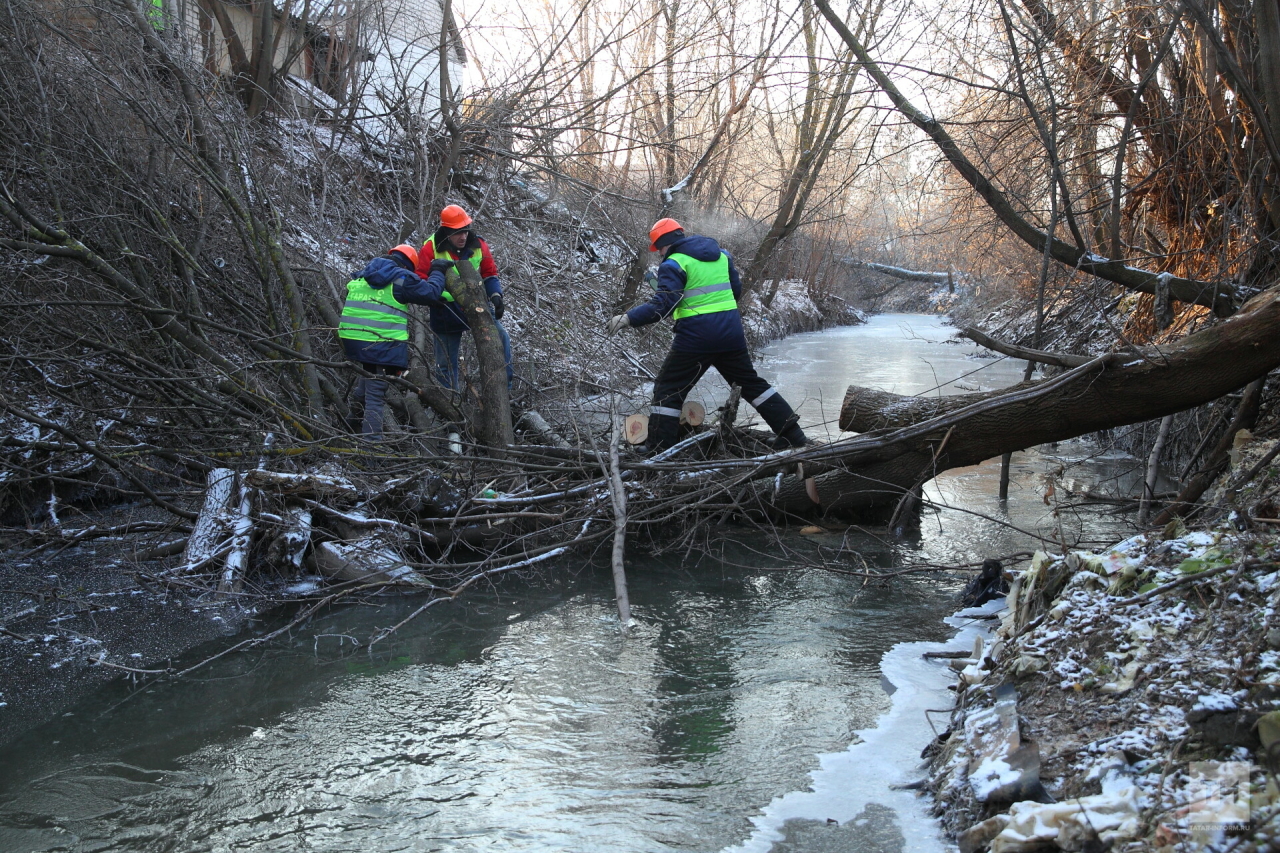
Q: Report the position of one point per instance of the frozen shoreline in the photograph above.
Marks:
(884, 768)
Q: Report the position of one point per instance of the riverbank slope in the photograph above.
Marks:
(1129, 699)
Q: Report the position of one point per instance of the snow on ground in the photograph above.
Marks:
(791, 311)
(1148, 683)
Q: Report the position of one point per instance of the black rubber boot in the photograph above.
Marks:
(781, 418)
(664, 431)
(792, 436)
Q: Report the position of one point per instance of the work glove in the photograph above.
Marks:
(618, 323)
(498, 308)
(651, 278)
(441, 265)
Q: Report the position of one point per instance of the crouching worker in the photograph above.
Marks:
(375, 326)
(699, 285)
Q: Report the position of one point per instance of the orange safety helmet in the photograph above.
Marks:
(408, 251)
(661, 227)
(454, 217)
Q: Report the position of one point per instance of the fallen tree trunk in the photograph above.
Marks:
(1110, 391)
(899, 272)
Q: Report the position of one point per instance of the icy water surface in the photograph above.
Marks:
(519, 719)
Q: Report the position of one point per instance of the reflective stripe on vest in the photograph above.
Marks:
(706, 288)
(475, 259)
(373, 314)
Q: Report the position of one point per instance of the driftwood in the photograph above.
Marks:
(618, 495)
(241, 538)
(210, 532)
(366, 561)
(532, 421)
(288, 549)
(319, 486)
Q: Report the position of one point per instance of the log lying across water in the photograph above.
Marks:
(441, 525)
(1109, 391)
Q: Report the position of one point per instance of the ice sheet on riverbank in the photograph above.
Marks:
(859, 794)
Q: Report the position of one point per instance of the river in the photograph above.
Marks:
(757, 705)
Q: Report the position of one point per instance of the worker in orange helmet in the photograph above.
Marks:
(455, 240)
(698, 284)
(374, 327)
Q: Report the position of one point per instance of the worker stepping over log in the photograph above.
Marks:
(698, 284)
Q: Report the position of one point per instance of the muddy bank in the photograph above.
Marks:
(72, 622)
(1129, 699)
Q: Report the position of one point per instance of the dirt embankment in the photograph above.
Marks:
(1129, 699)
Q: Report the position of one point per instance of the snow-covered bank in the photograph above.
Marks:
(871, 787)
(792, 311)
(1139, 691)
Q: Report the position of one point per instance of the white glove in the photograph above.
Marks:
(618, 323)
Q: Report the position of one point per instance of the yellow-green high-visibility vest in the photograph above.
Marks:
(476, 257)
(373, 314)
(706, 288)
(155, 14)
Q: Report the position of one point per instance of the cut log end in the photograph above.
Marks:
(693, 413)
(637, 429)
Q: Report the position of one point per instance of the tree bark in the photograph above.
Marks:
(1110, 391)
(493, 418)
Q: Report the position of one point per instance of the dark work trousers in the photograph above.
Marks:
(370, 398)
(682, 370)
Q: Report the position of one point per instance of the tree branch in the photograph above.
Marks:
(1218, 296)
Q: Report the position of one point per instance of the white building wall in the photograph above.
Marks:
(405, 36)
(402, 35)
